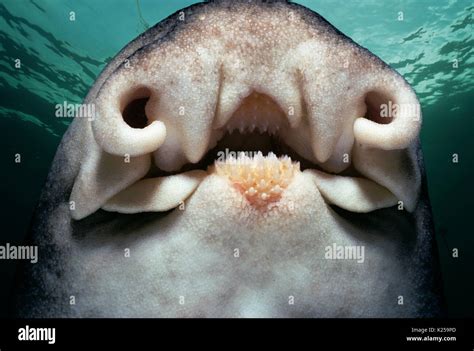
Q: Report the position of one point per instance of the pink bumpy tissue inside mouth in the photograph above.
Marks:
(260, 179)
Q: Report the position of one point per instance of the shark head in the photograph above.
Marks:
(252, 161)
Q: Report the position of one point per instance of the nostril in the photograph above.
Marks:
(380, 109)
(122, 127)
(133, 111)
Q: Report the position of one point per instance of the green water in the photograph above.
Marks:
(429, 42)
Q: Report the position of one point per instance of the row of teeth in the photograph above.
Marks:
(243, 128)
(260, 179)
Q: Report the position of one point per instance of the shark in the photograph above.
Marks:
(232, 146)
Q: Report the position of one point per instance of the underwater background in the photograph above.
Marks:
(430, 42)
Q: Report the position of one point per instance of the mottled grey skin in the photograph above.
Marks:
(176, 254)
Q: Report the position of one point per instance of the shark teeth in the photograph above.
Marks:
(260, 179)
(253, 125)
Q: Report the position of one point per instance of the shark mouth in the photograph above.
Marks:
(254, 150)
(254, 117)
